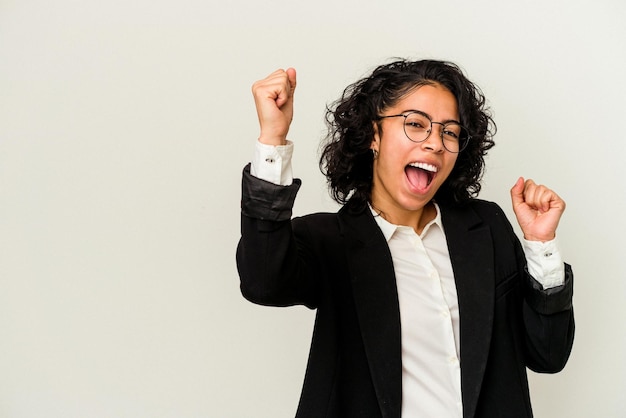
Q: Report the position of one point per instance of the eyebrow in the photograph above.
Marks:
(404, 112)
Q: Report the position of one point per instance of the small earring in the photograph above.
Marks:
(375, 153)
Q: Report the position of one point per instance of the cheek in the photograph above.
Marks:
(387, 168)
(450, 165)
(395, 151)
(390, 160)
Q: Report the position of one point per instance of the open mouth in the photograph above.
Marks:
(420, 175)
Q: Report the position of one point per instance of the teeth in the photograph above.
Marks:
(424, 166)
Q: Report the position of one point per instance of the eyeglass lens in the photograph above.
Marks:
(418, 127)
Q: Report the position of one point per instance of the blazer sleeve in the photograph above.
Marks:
(272, 261)
(548, 318)
(549, 322)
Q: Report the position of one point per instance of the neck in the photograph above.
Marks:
(416, 219)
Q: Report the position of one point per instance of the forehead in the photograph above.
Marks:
(432, 98)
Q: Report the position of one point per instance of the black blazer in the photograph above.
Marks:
(340, 264)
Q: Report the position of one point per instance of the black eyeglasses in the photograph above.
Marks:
(418, 126)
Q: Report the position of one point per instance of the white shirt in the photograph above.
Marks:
(429, 310)
(429, 318)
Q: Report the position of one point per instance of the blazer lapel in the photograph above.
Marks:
(471, 253)
(376, 300)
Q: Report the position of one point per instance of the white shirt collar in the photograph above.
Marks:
(388, 229)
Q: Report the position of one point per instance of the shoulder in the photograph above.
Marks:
(355, 223)
(478, 206)
(485, 207)
(474, 212)
(317, 218)
(317, 223)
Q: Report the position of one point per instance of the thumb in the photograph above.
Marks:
(291, 75)
(517, 192)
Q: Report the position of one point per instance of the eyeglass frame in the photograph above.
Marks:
(430, 129)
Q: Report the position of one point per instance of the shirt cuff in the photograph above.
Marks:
(544, 262)
(273, 163)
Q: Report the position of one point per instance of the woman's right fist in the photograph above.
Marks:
(273, 97)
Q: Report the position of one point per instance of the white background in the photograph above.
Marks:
(124, 126)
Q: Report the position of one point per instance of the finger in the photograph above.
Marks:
(538, 198)
(286, 86)
(530, 192)
(545, 198)
(541, 198)
(550, 200)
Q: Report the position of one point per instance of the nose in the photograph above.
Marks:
(434, 140)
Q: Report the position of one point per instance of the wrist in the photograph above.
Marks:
(540, 238)
(273, 139)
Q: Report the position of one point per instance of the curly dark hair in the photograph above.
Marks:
(346, 158)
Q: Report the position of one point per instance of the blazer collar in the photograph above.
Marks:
(376, 299)
(471, 253)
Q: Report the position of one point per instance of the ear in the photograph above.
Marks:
(375, 144)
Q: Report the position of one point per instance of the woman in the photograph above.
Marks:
(427, 303)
